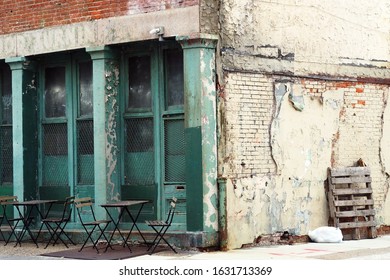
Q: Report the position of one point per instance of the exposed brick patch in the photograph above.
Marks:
(359, 90)
(383, 230)
(278, 238)
(361, 102)
(249, 104)
(249, 108)
(23, 15)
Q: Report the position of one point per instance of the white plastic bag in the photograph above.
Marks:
(326, 235)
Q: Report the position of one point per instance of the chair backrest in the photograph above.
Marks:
(172, 210)
(8, 199)
(81, 204)
(67, 211)
(4, 201)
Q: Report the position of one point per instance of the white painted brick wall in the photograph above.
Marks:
(249, 108)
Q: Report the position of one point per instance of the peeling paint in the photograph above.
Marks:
(112, 83)
(207, 66)
(302, 143)
(296, 100)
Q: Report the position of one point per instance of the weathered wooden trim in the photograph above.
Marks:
(356, 224)
(351, 191)
(344, 214)
(350, 171)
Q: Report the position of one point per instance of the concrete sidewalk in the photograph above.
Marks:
(370, 249)
(367, 249)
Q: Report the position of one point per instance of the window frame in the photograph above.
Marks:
(3, 68)
(72, 112)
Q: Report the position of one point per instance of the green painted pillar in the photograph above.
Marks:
(105, 119)
(24, 128)
(200, 133)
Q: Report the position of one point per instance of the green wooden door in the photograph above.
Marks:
(6, 151)
(153, 125)
(66, 128)
(139, 126)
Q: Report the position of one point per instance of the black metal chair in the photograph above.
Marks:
(11, 223)
(91, 224)
(161, 227)
(56, 225)
(2, 217)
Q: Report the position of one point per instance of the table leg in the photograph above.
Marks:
(26, 225)
(135, 223)
(116, 228)
(12, 227)
(43, 217)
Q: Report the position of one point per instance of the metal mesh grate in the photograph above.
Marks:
(85, 164)
(174, 147)
(139, 157)
(55, 154)
(55, 139)
(6, 154)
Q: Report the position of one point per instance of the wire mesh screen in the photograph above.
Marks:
(174, 147)
(55, 155)
(85, 154)
(6, 154)
(139, 156)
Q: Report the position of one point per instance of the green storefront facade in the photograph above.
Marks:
(135, 120)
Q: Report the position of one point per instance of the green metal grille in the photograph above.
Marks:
(6, 154)
(55, 155)
(85, 164)
(174, 147)
(139, 156)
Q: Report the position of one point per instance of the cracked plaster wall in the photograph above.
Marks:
(305, 87)
(306, 36)
(314, 125)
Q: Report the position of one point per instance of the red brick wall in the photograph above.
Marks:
(23, 15)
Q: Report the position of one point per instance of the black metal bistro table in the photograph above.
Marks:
(124, 208)
(25, 210)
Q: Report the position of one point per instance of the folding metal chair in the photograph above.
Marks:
(2, 217)
(11, 222)
(161, 227)
(90, 225)
(56, 225)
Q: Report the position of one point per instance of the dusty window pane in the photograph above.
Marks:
(85, 137)
(174, 148)
(139, 135)
(139, 83)
(55, 94)
(6, 98)
(6, 154)
(174, 79)
(85, 90)
(55, 139)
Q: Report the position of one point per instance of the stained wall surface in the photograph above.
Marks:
(304, 86)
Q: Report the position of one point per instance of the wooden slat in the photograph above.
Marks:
(358, 213)
(351, 191)
(357, 202)
(350, 180)
(356, 224)
(349, 171)
(349, 205)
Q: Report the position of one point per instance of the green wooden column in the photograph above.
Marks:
(24, 127)
(105, 119)
(200, 133)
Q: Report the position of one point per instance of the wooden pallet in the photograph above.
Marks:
(350, 201)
